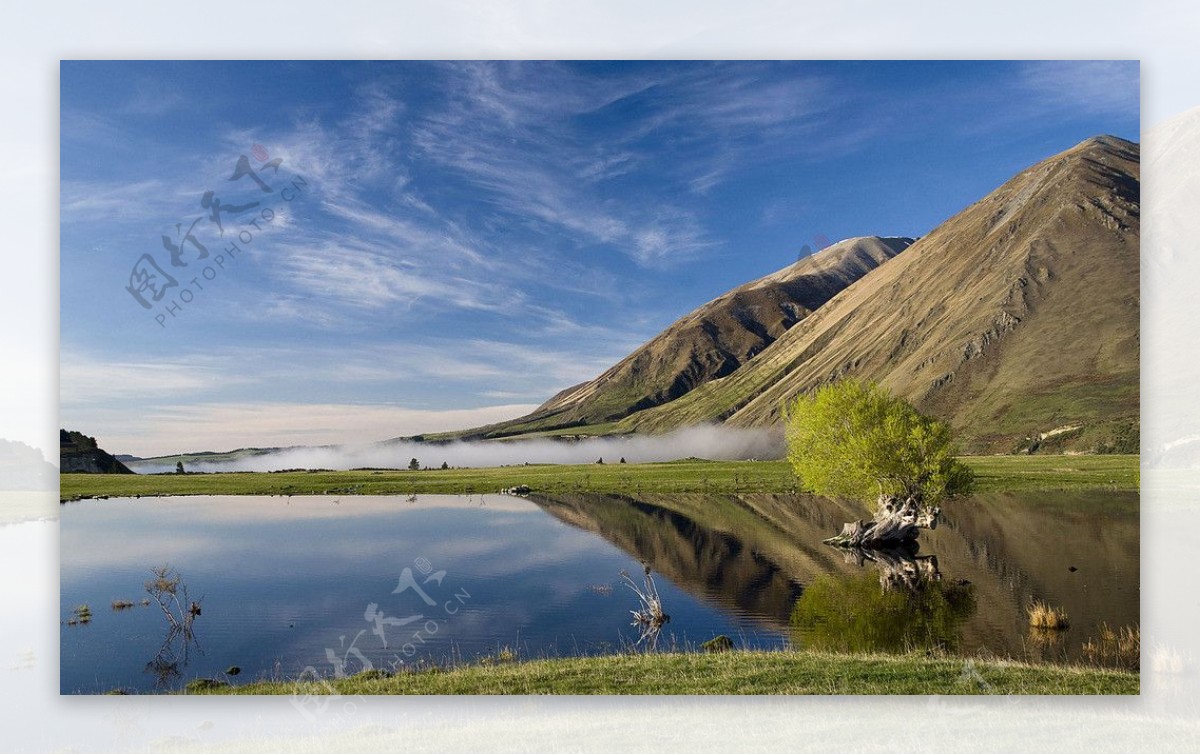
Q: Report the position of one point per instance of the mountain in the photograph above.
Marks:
(79, 453)
(1016, 320)
(710, 342)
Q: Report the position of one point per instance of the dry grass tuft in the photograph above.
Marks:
(505, 654)
(1116, 647)
(1045, 616)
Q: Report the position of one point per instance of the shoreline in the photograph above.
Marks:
(1009, 474)
(754, 672)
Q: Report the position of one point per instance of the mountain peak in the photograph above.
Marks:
(1017, 316)
(711, 341)
(1105, 141)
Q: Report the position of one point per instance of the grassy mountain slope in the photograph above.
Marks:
(711, 341)
(1017, 317)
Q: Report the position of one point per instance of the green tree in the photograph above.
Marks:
(855, 440)
(414, 465)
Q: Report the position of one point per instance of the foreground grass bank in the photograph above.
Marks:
(992, 474)
(739, 672)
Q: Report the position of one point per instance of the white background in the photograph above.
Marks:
(35, 36)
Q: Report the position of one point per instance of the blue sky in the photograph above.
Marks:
(461, 240)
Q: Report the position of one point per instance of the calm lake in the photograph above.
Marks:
(322, 585)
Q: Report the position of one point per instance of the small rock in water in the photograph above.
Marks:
(1071, 568)
(233, 670)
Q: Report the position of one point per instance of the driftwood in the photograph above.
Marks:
(897, 522)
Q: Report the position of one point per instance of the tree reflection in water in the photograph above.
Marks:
(172, 657)
(168, 590)
(904, 606)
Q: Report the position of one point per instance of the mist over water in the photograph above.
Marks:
(705, 442)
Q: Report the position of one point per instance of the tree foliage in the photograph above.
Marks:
(855, 440)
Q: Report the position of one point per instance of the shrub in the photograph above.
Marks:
(855, 440)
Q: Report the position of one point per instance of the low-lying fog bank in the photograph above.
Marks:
(705, 442)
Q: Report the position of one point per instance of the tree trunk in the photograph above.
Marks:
(897, 522)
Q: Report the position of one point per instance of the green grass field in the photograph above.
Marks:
(738, 672)
(993, 474)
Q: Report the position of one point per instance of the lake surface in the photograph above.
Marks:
(322, 585)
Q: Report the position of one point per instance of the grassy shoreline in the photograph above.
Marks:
(789, 672)
(992, 473)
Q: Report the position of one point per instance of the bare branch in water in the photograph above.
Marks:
(650, 618)
(168, 590)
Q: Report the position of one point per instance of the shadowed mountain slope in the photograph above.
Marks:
(1017, 317)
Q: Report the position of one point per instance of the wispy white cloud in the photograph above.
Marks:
(153, 100)
(443, 242)
(411, 256)
(516, 143)
(84, 379)
(91, 128)
(672, 236)
(606, 165)
(153, 201)
(356, 276)
(1087, 86)
(474, 368)
(747, 102)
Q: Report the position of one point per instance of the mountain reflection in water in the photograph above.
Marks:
(967, 590)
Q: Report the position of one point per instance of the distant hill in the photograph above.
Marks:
(79, 453)
(159, 464)
(709, 343)
(1016, 320)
